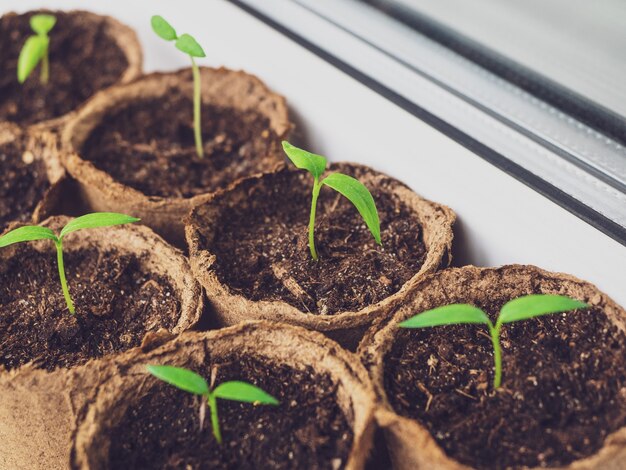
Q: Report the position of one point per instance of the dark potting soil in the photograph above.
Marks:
(563, 388)
(116, 304)
(307, 430)
(263, 252)
(83, 60)
(149, 145)
(23, 183)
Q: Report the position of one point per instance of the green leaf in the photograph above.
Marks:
(243, 391)
(163, 28)
(33, 51)
(181, 378)
(27, 234)
(360, 196)
(42, 24)
(453, 314)
(97, 219)
(190, 46)
(535, 305)
(314, 164)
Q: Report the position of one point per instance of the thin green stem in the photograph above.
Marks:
(61, 266)
(316, 192)
(215, 424)
(45, 69)
(197, 98)
(497, 354)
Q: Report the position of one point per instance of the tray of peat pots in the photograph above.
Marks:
(255, 395)
(53, 61)
(499, 368)
(31, 175)
(74, 291)
(158, 146)
(329, 251)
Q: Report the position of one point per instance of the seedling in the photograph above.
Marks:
(191, 382)
(35, 49)
(346, 185)
(35, 232)
(522, 308)
(189, 46)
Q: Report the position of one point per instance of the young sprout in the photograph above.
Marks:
(522, 308)
(189, 46)
(191, 382)
(35, 49)
(35, 232)
(346, 185)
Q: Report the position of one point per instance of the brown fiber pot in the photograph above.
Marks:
(345, 327)
(220, 87)
(115, 32)
(42, 146)
(271, 342)
(39, 408)
(410, 444)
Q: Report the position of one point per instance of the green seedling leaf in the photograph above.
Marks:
(27, 234)
(531, 306)
(447, 315)
(359, 195)
(180, 378)
(42, 24)
(244, 392)
(31, 54)
(162, 28)
(34, 232)
(522, 308)
(314, 164)
(189, 45)
(95, 220)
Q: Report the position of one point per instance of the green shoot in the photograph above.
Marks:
(191, 382)
(351, 188)
(189, 46)
(522, 308)
(35, 232)
(35, 49)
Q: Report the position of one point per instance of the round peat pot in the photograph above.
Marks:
(31, 175)
(134, 149)
(324, 418)
(562, 402)
(126, 283)
(87, 53)
(249, 249)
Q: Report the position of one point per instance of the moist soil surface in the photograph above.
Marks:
(563, 388)
(162, 430)
(23, 183)
(116, 304)
(83, 60)
(263, 251)
(149, 145)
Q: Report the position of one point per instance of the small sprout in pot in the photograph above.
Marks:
(35, 49)
(35, 232)
(187, 44)
(191, 382)
(522, 308)
(351, 188)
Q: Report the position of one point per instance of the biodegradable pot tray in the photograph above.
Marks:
(31, 175)
(88, 52)
(562, 403)
(324, 420)
(133, 149)
(126, 283)
(249, 249)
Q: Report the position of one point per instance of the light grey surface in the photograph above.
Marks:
(579, 43)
